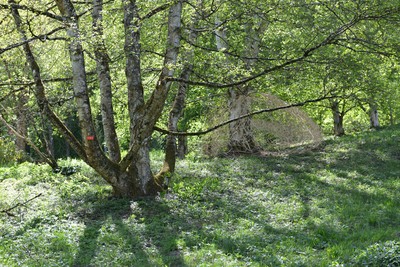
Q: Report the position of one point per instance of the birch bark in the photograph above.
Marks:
(94, 155)
(40, 93)
(179, 102)
(150, 112)
(103, 73)
(373, 116)
(241, 138)
(143, 115)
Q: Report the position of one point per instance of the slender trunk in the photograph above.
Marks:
(174, 115)
(140, 162)
(80, 87)
(103, 72)
(21, 123)
(178, 106)
(145, 115)
(40, 94)
(154, 106)
(373, 116)
(67, 146)
(241, 138)
(45, 134)
(67, 150)
(132, 177)
(49, 140)
(338, 129)
(182, 149)
(132, 67)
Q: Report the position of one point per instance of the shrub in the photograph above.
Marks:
(379, 254)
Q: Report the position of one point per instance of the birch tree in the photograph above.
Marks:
(152, 30)
(131, 176)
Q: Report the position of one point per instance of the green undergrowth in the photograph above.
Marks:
(336, 204)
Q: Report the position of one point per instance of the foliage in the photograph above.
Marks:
(331, 205)
(8, 153)
(361, 63)
(385, 254)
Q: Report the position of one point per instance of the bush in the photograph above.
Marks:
(380, 254)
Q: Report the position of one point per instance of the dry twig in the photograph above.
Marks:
(8, 211)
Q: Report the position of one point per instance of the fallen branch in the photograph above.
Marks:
(8, 211)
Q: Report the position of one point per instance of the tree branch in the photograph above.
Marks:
(227, 52)
(155, 11)
(41, 37)
(242, 117)
(11, 93)
(49, 160)
(330, 39)
(31, 9)
(8, 211)
(240, 82)
(52, 80)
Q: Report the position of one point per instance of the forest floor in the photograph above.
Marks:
(336, 204)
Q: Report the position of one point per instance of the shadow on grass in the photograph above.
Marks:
(108, 232)
(153, 241)
(321, 217)
(103, 211)
(330, 215)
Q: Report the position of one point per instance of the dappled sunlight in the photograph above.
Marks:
(306, 208)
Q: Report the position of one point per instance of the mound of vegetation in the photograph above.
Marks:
(282, 128)
(335, 205)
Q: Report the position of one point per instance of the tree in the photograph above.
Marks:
(178, 105)
(150, 51)
(241, 138)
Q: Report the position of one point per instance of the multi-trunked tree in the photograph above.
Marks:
(129, 173)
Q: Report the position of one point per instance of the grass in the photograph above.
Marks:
(332, 205)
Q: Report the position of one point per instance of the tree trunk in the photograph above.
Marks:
(140, 164)
(174, 115)
(171, 150)
(132, 176)
(373, 116)
(143, 116)
(241, 138)
(155, 104)
(49, 139)
(45, 134)
(103, 72)
(338, 129)
(182, 149)
(68, 124)
(21, 123)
